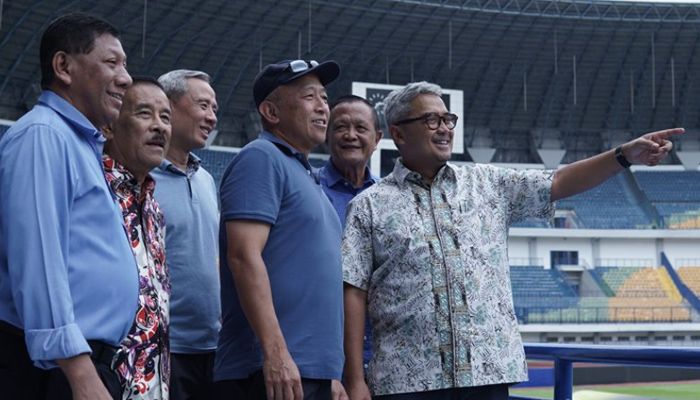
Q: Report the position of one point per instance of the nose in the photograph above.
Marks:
(321, 105)
(350, 134)
(123, 78)
(211, 117)
(159, 125)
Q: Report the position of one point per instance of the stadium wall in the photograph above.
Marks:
(608, 247)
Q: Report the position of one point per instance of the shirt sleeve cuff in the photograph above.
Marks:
(45, 346)
(357, 282)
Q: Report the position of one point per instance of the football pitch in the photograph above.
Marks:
(658, 391)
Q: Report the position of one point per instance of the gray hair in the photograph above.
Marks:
(175, 82)
(397, 105)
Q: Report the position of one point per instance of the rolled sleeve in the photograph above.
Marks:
(47, 345)
(357, 251)
(36, 189)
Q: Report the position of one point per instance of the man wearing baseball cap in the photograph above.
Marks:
(281, 278)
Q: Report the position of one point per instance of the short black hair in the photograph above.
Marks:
(351, 98)
(73, 33)
(141, 79)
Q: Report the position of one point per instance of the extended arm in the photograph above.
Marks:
(246, 241)
(649, 149)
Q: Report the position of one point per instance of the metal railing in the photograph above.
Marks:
(565, 355)
(604, 314)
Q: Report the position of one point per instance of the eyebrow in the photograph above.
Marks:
(206, 100)
(314, 88)
(141, 106)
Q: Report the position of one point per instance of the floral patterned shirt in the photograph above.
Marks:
(434, 262)
(143, 360)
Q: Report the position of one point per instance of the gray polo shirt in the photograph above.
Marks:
(189, 202)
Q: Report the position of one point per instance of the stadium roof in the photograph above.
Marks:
(586, 65)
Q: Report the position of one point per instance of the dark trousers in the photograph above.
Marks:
(488, 392)
(253, 388)
(191, 376)
(21, 380)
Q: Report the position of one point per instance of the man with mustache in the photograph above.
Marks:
(187, 195)
(68, 280)
(136, 143)
(281, 287)
(425, 253)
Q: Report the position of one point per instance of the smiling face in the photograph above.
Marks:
(422, 149)
(140, 135)
(194, 116)
(302, 112)
(98, 80)
(352, 135)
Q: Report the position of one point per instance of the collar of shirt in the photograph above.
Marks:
(71, 114)
(193, 164)
(123, 183)
(289, 150)
(403, 174)
(334, 177)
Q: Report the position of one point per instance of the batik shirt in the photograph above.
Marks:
(143, 359)
(434, 262)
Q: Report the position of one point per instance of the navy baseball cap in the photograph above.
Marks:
(275, 75)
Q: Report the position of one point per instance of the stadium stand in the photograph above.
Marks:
(642, 294)
(675, 194)
(587, 68)
(636, 294)
(534, 286)
(609, 206)
(690, 275)
(215, 162)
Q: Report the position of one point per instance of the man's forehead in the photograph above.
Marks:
(146, 94)
(355, 112)
(428, 100)
(194, 83)
(108, 43)
(310, 81)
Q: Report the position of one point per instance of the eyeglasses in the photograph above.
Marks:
(301, 65)
(432, 120)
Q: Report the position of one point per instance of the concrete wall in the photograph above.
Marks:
(603, 247)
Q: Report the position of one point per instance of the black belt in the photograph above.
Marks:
(8, 328)
(102, 353)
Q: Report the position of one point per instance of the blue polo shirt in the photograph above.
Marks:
(189, 204)
(340, 192)
(271, 182)
(67, 272)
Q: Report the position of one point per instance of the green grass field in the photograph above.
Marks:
(657, 391)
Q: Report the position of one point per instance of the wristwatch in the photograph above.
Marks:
(621, 157)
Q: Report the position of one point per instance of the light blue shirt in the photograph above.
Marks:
(188, 201)
(67, 273)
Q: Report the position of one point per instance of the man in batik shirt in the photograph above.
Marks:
(425, 252)
(136, 144)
